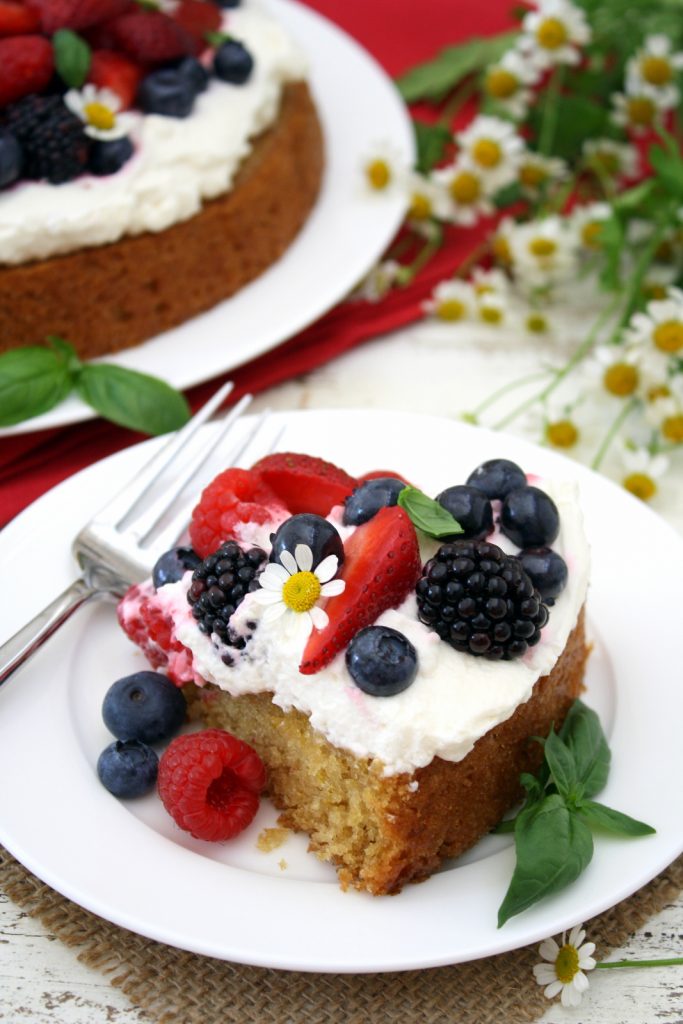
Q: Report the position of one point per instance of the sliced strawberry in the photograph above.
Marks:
(109, 70)
(236, 497)
(17, 20)
(76, 14)
(381, 566)
(26, 65)
(151, 37)
(198, 17)
(304, 482)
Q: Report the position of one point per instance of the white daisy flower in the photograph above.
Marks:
(294, 588)
(640, 111)
(658, 279)
(493, 280)
(536, 171)
(617, 369)
(383, 169)
(537, 323)
(556, 424)
(661, 325)
(467, 190)
(564, 970)
(643, 470)
(554, 33)
(493, 147)
(544, 252)
(493, 308)
(428, 198)
(378, 281)
(510, 82)
(654, 65)
(586, 221)
(99, 111)
(501, 241)
(451, 301)
(612, 159)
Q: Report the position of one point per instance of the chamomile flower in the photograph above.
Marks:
(493, 147)
(554, 33)
(563, 971)
(294, 588)
(658, 279)
(428, 199)
(537, 323)
(534, 172)
(555, 424)
(451, 301)
(661, 325)
(617, 369)
(510, 82)
(586, 221)
(383, 169)
(493, 308)
(611, 159)
(99, 111)
(501, 241)
(639, 111)
(654, 65)
(467, 191)
(642, 471)
(487, 281)
(544, 252)
(665, 413)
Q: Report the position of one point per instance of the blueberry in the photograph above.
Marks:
(172, 566)
(529, 518)
(314, 531)
(11, 158)
(471, 508)
(369, 497)
(128, 768)
(145, 706)
(497, 477)
(107, 156)
(194, 72)
(166, 92)
(381, 661)
(227, 3)
(232, 62)
(547, 571)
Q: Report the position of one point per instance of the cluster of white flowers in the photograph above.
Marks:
(649, 87)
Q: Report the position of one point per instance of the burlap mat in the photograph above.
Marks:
(175, 987)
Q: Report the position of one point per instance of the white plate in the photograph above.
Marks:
(130, 864)
(345, 234)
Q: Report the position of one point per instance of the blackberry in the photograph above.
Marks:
(52, 139)
(219, 585)
(480, 601)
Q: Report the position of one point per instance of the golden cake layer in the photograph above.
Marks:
(110, 297)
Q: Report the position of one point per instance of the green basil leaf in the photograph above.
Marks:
(562, 765)
(598, 815)
(428, 515)
(435, 78)
(583, 735)
(553, 847)
(431, 141)
(132, 399)
(65, 351)
(32, 381)
(72, 57)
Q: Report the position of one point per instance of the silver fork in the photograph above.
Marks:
(121, 543)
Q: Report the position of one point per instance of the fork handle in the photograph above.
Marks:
(19, 648)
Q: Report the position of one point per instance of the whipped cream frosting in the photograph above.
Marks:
(178, 162)
(455, 698)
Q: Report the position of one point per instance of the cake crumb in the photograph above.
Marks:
(271, 838)
(282, 864)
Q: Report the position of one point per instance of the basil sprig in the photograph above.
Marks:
(428, 515)
(72, 57)
(553, 837)
(35, 379)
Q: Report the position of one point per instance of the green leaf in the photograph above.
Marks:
(132, 399)
(578, 118)
(583, 735)
(428, 515)
(598, 815)
(611, 240)
(66, 351)
(434, 79)
(431, 141)
(562, 765)
(32, 381)
(72, 57)
(668, 167)
(553, 847)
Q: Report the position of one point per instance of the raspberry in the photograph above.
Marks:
(148, 627)
(209, 782)
(236, 496)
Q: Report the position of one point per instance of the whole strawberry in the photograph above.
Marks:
(26, 66)
(151, 37)
(75, 14)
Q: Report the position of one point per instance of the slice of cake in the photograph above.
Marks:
(180, 169)
(390, 681)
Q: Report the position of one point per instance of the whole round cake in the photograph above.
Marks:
(154, 159)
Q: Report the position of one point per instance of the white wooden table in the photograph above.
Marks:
(429, 368)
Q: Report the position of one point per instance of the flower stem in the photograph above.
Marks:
(423, 257)
(614, 429)
(667, 217)
(672, 961)
(546, 135)
(461, 95)
(511, 386)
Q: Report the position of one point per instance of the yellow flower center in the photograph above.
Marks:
(562, 434)
(379, 174)
(491, 314)
(657, 391)
(542, 247)
(501, 250)
(590, 234)
(532, 175)
(567, 964)
(487, 152)
(536, 323)
(672, 428)
(640, 110)
(501, 83)
(620, 379)
(607, 161)
(668, 336)
(420, 206)
(99, 116)
(551, 34)
(641, 485)
(301, 591)
(450, 309)
(465, 188)
(656, 70)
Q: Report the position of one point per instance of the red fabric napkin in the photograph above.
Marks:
(399, 33)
